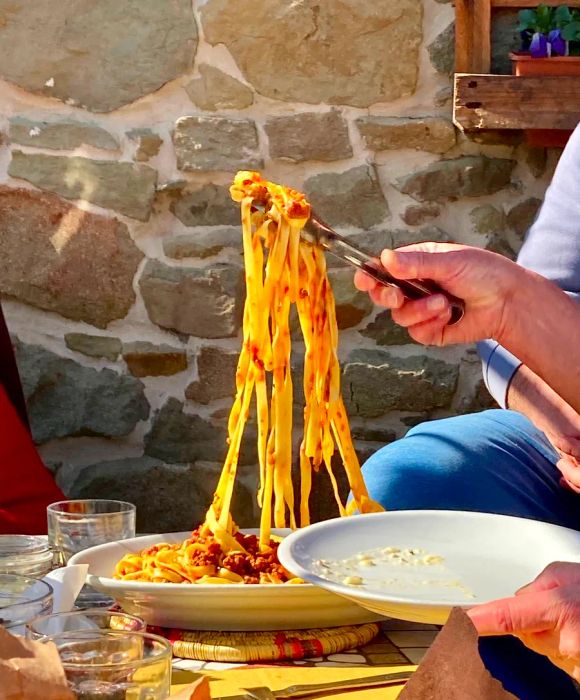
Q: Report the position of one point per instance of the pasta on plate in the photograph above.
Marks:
(280, 270)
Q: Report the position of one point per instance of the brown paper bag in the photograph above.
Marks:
(452, 668)
(30, 670)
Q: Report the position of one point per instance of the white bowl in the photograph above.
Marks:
(486, 557)
(215, 607)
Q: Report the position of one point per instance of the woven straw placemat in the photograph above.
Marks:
(245, 647)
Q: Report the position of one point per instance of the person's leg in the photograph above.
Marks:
(496, 462)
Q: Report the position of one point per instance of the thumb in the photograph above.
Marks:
(418, 264)
(532, 612)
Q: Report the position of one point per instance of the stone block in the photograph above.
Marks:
(179, 437)
(210, 205)
(65, 399)
(148, 143)
(65, 134)
(384, 331)
(124, 187)
(488, 219)
(349, 53)
(149, 360)
(309, 136)
(522, 215)
(202, 244)
(216, 143)
(59, 258)
(448, 180)
(418, 214)
(205, 302)
(350, 198)
(442, 51)
(375, 382)
(536, 160)
(216, 370)
(169, 497)
(96, 55)
(94, 345)
(433, 134)
(215, 90)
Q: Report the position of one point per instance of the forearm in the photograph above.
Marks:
(530, 395)
(541, 326)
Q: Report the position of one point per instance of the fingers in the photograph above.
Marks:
(533, 612)
(419, 264)
(432, 332)
(363, 282)
(570, 470)
(389, 297)
(558, 573)
(420, 311)
(569, 446)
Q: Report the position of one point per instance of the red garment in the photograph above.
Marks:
(26, 485)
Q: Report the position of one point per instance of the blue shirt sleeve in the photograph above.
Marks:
(552, 249)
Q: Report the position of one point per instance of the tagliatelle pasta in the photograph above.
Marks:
(281, 270)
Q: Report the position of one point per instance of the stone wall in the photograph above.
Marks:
(120, 255)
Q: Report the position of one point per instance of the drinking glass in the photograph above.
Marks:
(83, 620)
(77, 525)
(108, 665)
(22, 598)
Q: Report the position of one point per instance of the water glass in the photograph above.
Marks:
(83, 620)
(22, 598)
(77, 525)
(25, 555)
(108, 665)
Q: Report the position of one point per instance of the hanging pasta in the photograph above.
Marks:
(280, 270)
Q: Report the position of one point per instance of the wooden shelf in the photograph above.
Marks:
(510, 102)
(473, 30)
(522, 4)
(504, 103)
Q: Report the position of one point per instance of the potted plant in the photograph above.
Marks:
(550, 47)
(550, 42)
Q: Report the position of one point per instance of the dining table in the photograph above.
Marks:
(399, 647)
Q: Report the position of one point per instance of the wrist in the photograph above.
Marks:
(522, 293)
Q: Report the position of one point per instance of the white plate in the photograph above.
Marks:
(218, 607)
(490, 556)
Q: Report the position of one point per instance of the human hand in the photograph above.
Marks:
(530, 395)
(545, 615)
(569, 464)
(485, 281)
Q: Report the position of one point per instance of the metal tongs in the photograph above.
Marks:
(318, 233)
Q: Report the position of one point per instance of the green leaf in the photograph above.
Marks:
(527, 17)
(562, 16)
(571, 32)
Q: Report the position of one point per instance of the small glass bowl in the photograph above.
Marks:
(22, 598)
(25, 555)
(111, 665)
(85, 621)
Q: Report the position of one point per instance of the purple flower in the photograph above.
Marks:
(558, 44)
(540, 46)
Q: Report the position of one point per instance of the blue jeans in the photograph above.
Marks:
(497, 462)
